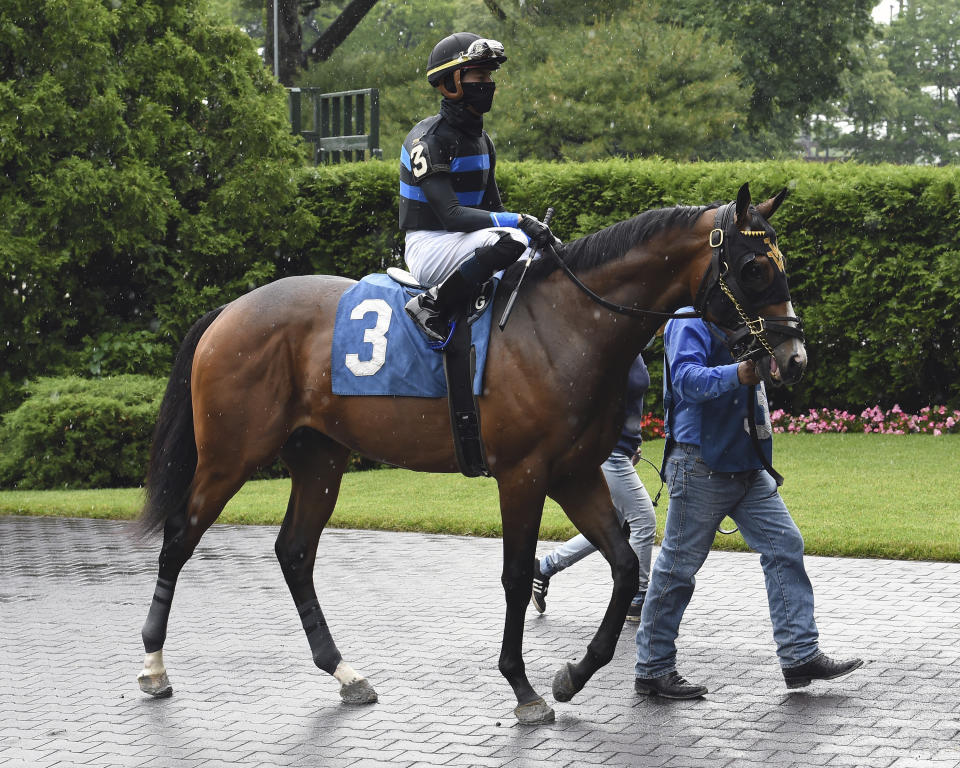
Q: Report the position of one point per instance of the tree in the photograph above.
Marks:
(338, 22)
(337, 32)
(902, 103)
(665, 89)
(854, 124)
(143, 147)
(922, 48)
(389, 50)
(792, 57)
(627, 86)
(289, 38)
(332, 21)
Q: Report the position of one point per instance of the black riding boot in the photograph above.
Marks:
(432, 309)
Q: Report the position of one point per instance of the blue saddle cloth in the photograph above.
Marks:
(378, 350)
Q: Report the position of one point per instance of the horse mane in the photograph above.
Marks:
(609, 244)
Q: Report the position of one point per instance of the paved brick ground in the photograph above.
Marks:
(421, 617)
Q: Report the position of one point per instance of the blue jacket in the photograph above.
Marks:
(638, 381)
(707, 405)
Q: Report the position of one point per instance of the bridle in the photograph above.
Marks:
(749, 338)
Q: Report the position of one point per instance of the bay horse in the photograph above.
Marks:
(252, 380)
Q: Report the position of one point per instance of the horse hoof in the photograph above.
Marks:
(535, 713)
(358, 692)
(563, 687)
(157, 685)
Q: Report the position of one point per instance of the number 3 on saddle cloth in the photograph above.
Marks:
(378, 351)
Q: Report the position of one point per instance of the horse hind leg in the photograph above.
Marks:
(182, 531)
(316, 465)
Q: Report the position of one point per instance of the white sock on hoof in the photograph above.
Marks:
(152, 665)
(346, 674)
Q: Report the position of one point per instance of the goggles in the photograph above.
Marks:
(478, 51)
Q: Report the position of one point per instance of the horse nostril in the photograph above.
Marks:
(795, 366)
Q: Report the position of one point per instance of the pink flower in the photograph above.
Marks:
(873, 419)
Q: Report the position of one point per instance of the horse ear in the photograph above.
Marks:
(769, 207)
(743, 204)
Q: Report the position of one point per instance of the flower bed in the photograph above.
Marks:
(932, 420)
(651, 427)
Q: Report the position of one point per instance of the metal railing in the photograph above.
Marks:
(337, 123)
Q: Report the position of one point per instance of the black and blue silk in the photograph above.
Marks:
(447, 174)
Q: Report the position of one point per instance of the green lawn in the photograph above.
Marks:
(891, 496)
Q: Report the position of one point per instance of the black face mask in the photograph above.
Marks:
(478, 96)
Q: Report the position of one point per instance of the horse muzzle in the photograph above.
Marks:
(786, 366)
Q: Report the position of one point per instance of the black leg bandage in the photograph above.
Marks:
(154, 631)
(324, 650)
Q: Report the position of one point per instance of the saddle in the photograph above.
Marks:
(459, 368)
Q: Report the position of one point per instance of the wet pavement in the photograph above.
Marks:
(421, 617)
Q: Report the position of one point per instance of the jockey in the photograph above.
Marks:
(457, 230)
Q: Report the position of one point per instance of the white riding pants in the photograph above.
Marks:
(433, 255)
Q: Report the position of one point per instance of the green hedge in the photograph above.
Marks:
(873, 255)
(79, 433)
(90, 433)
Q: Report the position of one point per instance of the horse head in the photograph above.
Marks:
(745, 291)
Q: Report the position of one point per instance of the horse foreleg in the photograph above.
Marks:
(316, 466)
(181, 533)
(521, 506)
(587, 503)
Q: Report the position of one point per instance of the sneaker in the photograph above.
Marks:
(540, 584)
(633, 614)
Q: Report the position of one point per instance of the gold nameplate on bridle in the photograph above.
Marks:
(774, 254)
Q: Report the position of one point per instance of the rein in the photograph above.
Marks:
(711, 280)
(620, 309)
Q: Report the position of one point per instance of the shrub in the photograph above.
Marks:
(91, 433)
(77, 433)
(149, 170)
(651, 427)
(872, 254)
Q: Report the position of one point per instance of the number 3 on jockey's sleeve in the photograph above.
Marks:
(426, 158)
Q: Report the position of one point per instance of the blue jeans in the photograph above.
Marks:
(699, 500)
(632, 504)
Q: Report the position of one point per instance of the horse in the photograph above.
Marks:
(252, 381)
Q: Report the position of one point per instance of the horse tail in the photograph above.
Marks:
(173, 455)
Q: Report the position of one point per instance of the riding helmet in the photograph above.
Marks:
(460, 50)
